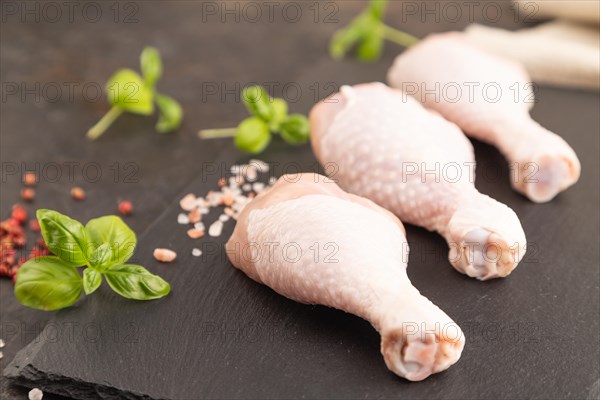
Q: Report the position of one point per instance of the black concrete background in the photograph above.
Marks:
(534, 335)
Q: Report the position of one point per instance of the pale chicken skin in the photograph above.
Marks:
(381, 144)
(489, 98)
(360, 267)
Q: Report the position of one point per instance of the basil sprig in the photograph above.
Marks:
(103, 247)
(127, 91)
(269, 117)
(367, 34)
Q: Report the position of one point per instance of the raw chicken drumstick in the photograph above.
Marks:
(311, 242)
(379, 143)
(489, 98)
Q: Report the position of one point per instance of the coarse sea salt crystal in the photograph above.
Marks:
(224, 218)
(214, 199)
(200, 226)
(204, 210)
(216, 228)
(196, 252)
(272, 180)
(183, 219)
(258, 187)
(35, 394)
(247, 187)
(251, 173)
(238, 169)
(260, 165)
(188, 203)
(200, 202)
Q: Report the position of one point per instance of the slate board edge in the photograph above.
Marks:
(20, 370)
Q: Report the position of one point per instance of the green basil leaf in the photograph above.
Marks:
(252, 135)
(47, 283)
(171, 114)
(258, 102)
(102, 256)
(64, 236)
(346, 38)
(371, 46)
(295, 129)
(127, 90)
(91, 280)
(280, 113)
(135, 282)
(151, 65)
(114, 232)
(377, 8)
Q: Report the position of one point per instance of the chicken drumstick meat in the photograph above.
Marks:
(489, 98)
(360, 268)
(379, 143)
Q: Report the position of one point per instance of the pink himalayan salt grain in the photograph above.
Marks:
(194, 216)
(195, 233)
(188, 203)
(165, 255)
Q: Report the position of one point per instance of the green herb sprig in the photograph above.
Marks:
(367, 34)
(127, 91)
(102, 246)
(269, 116)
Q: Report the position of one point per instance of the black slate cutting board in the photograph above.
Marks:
(221, 335)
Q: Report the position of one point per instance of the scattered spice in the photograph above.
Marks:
(234, 193)
(18, 214)
(165, 255)
(34, 225)
(27, 194)
(183, 219)
(216, 228)
(125, 208)
(195, 233)
(12, 238)
(228, 200)
(194, 216)
(35, 394)
(188, 202)
(30, 179)
(196, 252)
(77, 193)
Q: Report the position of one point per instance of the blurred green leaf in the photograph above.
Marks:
(171, 114)
(127, 90)
(295, 130)
(151, 65)
(258, 102)
(252, 135)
